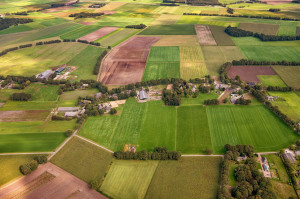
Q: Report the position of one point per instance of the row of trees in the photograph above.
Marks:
(7, 22)
(243, 101)
(211, 102)
(252, 62)
(20, 97)
(171, 98)
(86, 15)
(281, 89)
(236, 32)
(98, 64)
(159, 153)
(274, 9)
(290, 170)
(244, 16)
(29, 167)
(140, 26)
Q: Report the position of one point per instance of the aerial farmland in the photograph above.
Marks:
(161, 99)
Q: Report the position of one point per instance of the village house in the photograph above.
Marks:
(71, 114)
(221, 86)
(266, 167)
(104, 106)
(272, 98)
(85, 85)
(289, 157)
(234, 97)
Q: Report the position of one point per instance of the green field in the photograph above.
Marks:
(84, 160)
(222, 38)
(271, 80)
(289, 103)
(287, 28)
(30, 142)
(128, 179)
(30, 105)
(161, 70)
(267, 29)
(189, 177)
(177, 29)
(34, 60)
(289, 74)
(9, 166)
(164, 54)
(118, 37)
(199, 100)
(79, 32)
(254, 125)
(73, 95)
(253, 41)
(192, 134)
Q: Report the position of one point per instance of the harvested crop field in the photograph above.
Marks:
(166, 19)
(49, 181)
(205, 36)
(125, 64)
(289, 74)
(267, 29)
(28, 115)
(222, 38)
(249, 73)
(276, 2)
(176, 29)
(177, 40)
(98, 33)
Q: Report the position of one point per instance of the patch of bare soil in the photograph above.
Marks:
(27, 115)
(48, 182)
(205, 36)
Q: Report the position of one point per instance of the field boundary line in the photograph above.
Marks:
(200, 155)
(33, 153)
(92, 142)
(176, 127)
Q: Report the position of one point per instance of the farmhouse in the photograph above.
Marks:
(234, 97)
(98, 95)
(264, 159)
(272, 98)
(68, 109)
(143, 95)
(266, 167)
(221, 86)
(105, 106)
(44, 75)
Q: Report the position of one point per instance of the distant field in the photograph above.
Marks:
(178, 29)
(267, 29)
(289, 74)
(189, 177)
(31, 105)
(79, 32)
(30, 142)
(161, 70)
(129, 179)
(193, 134)
(166, 19)
(118, 37)
(34, 60)
(199, 100)
(289, 104)
(73, 95)
(271, 80)
(287, 28)
(222, 38)
(252, 41)
(259, 127)
(9, 166)
(177, 40)
(84, 160)
(164, 54)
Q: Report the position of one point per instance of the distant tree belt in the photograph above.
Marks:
(56, 5)
(274, 10)
(169, 4)
(159, 153)
(244, 16)
(20, 96)
(211, 102)
(98, 64)
(85, 15)
(7, 22)
(236, 32)
(141, 26)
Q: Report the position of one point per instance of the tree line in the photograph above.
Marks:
(159, 153)
(20, 97)
(244, 16)
(7, 22)
(98, 64)
(32, 165)
(85, 15)
(140, 26)
(236, 32)
(211, 102)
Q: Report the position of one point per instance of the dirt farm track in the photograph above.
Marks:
(48, 182)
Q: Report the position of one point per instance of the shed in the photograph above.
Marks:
(60, 69)
(143, 95)
(266, 167)
(45, 75)
(289, 157)
(264, 159)
(68, 109)
(70, 114)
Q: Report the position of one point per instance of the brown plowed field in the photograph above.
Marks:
(205, 36)
(249, 73)
(276, 2)
(98, 33)
(125, 64)
(28, 115)
(48, 182)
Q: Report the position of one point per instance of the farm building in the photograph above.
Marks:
(221, 86)
(143, 95)
(105, 106)
(264, 159)
(297, 153)
(98, 95)
(234, 97)
(59, 70)
(266, 167)
(44, 75)
(68, 109)
(289, 157)
(85, 85)
(271, 98)
(70, 114)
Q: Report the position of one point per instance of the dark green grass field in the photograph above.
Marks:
(161, 70)
(177, 29)
(254, 125)
(164, 54)
(79, 32)
(30, 142)
(199, 100)
(193, 134)
(221, 37)
(189, 177)
(84, 160)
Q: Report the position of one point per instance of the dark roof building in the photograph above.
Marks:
(289, 157)
(60, 69)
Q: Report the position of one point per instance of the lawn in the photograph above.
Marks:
(192, 134)
(73, 95)
(231, 177)
(34, 60)
(128, 179)
(289, 74)
(177, 29)
(254, 125)
(30, 142)
(84, 160)
(271, 80)
(287, 28)
(199, 100)
(189, 177)
(161, 70)
(86, 61)
(9, 166)
(164, 54)
(289, 103)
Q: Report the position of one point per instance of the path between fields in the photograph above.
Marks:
(33, 153)
(199, 155)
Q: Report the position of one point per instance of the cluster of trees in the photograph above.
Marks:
(244, 16)
(169, 4)
(243, 101)
(19, 13)
(97, 5)
(48, 42)
(252, 62)
(66, 85)
(230, 10)
(21, 81)
(56, 5)
(159, 153)
(98, 64)
(8, 50)
(281, 89)
(211, 102)
(204, 2)
(29, 167)
(232, 152)
(274, 9)
(7, 22)
(171, 98)
(141, 26)
(87, 42)
(236, 32)
(85, 15)
(20, 96)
